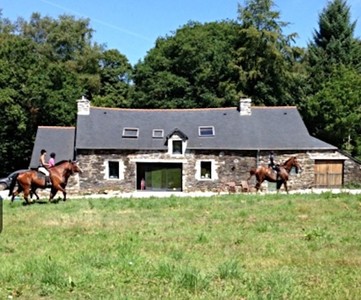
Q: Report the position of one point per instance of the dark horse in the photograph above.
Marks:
(263, 173)
(31, 180)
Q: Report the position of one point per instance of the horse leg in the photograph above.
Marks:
(59, 187)
(26, 195)
(259, 179)
(286, 188)
(278, 185)
(15, 193)
(53, 192)
(32, 193)
(257, 186)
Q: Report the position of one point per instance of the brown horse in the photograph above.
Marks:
(263, 173)
(31, 180)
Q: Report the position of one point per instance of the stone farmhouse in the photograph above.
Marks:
(190, 150)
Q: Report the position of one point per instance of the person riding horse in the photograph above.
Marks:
(43, 166)
(272, 163)
(30, 180)
(263, 173)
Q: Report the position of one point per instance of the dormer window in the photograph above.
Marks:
(206, 131)
(158, 133)
(130, 132)
(177, 147)
(177, 142)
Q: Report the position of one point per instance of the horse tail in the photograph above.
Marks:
(252, 171)
(12, 184)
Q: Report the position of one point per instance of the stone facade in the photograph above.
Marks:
(229, 166)
(352, 172)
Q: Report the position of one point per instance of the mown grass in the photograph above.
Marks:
(222, 247)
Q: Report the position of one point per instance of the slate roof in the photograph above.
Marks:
(53, 139)
(280, 128)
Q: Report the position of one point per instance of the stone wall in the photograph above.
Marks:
(352, 172)
(230, 166)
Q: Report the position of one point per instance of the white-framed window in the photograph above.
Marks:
(177, 146)
(206, 169)
(130, 132)
(206, 131)
(114, 169)
(158, 133)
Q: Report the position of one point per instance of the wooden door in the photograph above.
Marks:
(328, 173)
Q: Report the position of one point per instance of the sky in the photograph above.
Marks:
(132, 26)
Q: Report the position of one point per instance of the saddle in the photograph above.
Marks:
(43, 176)
(275, 169)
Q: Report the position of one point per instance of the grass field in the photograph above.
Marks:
(222, 247)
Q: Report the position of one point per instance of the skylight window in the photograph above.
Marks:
(130, 132)
(206, 131)
(158, 133)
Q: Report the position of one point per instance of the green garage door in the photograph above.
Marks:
(160, 176)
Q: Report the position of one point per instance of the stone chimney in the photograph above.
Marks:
(245, 107)
(83, 106)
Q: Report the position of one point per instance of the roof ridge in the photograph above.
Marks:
(57, 127)
(191, 109)
(165, 109)
(274, 107)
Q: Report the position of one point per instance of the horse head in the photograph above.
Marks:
(290, 163)
(74, 167)
(295, 164)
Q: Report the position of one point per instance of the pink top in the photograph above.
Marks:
(51, 162)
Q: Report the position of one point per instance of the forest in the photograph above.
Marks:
(46, 64)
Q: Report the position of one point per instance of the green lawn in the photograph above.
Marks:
(224, 247)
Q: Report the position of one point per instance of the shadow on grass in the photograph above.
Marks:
(40, 201)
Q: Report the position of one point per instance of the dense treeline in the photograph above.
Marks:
(46, 64)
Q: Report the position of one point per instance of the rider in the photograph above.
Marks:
(272, 163)
(43, 165)
(51, 161)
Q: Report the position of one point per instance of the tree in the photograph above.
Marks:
(336, 110)
(333, 102)
(266, 60)
(115, 73)
(189, 69)
(45, 65)
(17, 59)
(333, 44)
(66, 40)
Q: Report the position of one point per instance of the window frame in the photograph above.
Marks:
(179, 142)
(130, 129)
(111, 168)
(213, 170)
(208, 168)
(155, 136)
(200, 128)
(107, 169)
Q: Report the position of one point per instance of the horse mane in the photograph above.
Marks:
(61, 162)
(285, 163)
